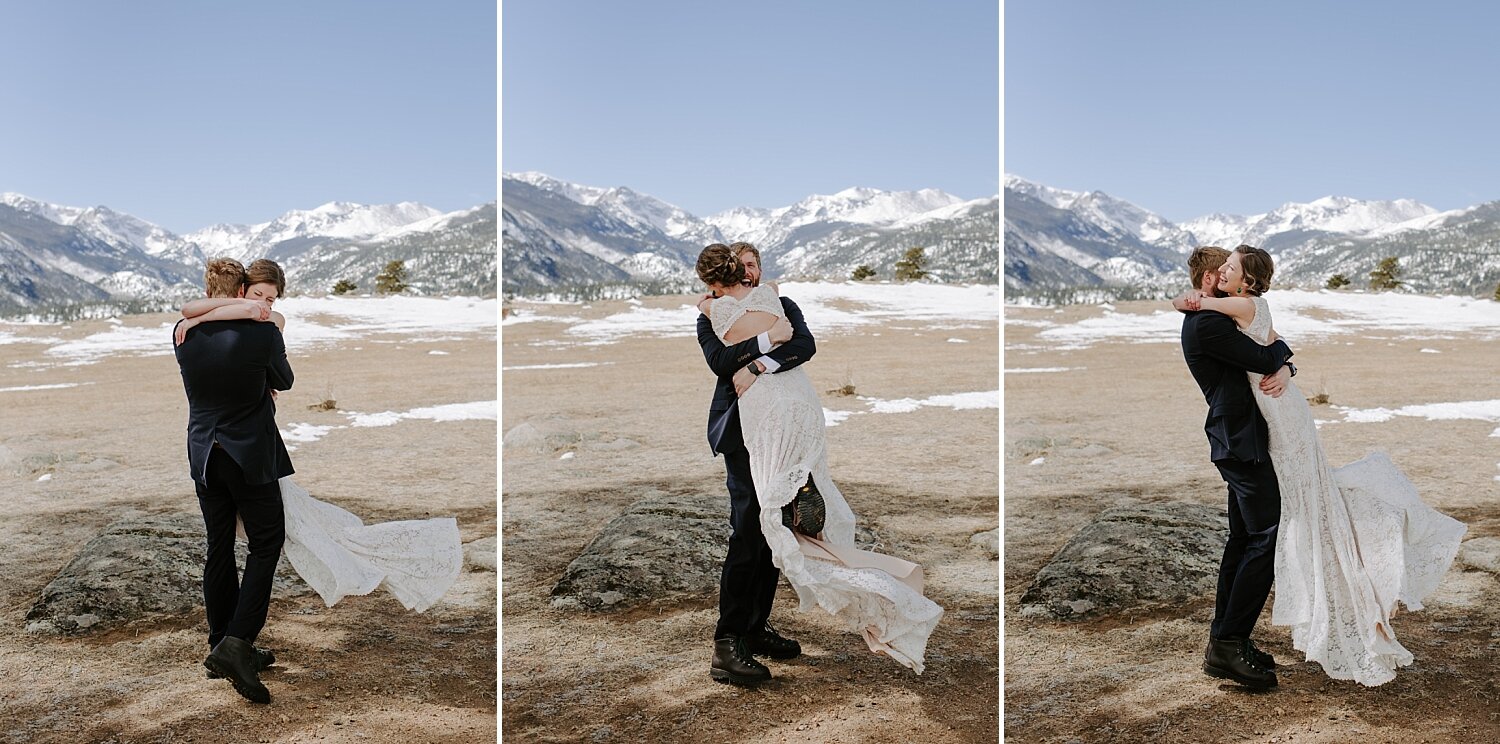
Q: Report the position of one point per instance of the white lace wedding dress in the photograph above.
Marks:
(1352, 542)
(338, 555)
(877, 596)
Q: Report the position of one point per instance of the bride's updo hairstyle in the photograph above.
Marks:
(718, 265)
(1258, 269)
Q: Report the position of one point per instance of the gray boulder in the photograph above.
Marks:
(661, 548)
(138, 567)
(1482, 553)
(1142, 556)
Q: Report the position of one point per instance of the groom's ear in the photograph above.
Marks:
(240, 292)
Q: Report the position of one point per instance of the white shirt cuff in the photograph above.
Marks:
(765, 342)
(771, 364)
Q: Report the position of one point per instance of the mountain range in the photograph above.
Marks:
(564, 237)
(1065, 245)
(56, 258)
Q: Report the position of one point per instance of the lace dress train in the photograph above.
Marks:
(1352, 542)
(338, 555)
(878, 596)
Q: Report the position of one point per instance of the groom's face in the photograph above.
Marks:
(752, 268)
(1211, 281)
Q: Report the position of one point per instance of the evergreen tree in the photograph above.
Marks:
(862, 272)
(392, 279)
(1497, 293)
(1384, 275)
(344, 286)
(910, 267)
(1337, 280)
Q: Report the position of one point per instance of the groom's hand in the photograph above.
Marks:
(1275, 385)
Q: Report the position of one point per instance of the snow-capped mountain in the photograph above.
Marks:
(558, 233)
(1332, 214)
(110, 226)
(857, 206)
(1067, 244)
(1115, 216)
(339, 220)
(55, 256)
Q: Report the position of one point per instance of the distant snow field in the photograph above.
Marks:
(828, 307)
(1298, 315)
(337, 319)
(476, 411)
(956, 401)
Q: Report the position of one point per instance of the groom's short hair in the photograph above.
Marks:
(741, 247)
(1205, 259)
(223, 277)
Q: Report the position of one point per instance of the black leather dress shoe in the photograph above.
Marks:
(1234, 659)
(236, 660)
(263, 659)
(733, 663)
(767, 642)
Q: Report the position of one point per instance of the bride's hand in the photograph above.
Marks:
(1188, 301)
(743, 379)
(182, 328)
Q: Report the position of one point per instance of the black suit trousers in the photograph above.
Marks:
(747, 584)
(238, 608)
(1249, 564)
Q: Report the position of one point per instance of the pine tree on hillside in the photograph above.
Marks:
(862, 272)
(344, 286)
(910, 267)
(1385, 275)
(392, 279)
(1337, 280)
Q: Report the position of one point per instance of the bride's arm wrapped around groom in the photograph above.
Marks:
(727, 360)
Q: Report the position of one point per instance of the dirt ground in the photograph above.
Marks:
(926, 480)
(1124, 425)
(365, 670)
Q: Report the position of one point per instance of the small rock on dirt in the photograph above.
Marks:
(1482, 553)
(988, 541)
(480, 555)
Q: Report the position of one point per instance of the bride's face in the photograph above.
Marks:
(1231, 276)
(265, 291)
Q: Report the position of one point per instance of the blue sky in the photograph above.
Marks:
(1188, 108)
(193, 113)
(713, 105)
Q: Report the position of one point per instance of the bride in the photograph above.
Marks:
(333, 550)
(877, 596)
(1352, 540)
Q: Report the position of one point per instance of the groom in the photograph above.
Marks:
(1219, 355)
(747, 584)
(235, 455)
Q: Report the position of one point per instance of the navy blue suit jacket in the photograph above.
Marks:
(724, 433)
(228, 369)
(1219, 355)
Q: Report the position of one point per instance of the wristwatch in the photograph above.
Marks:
(1294, 368)
(755, 369)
